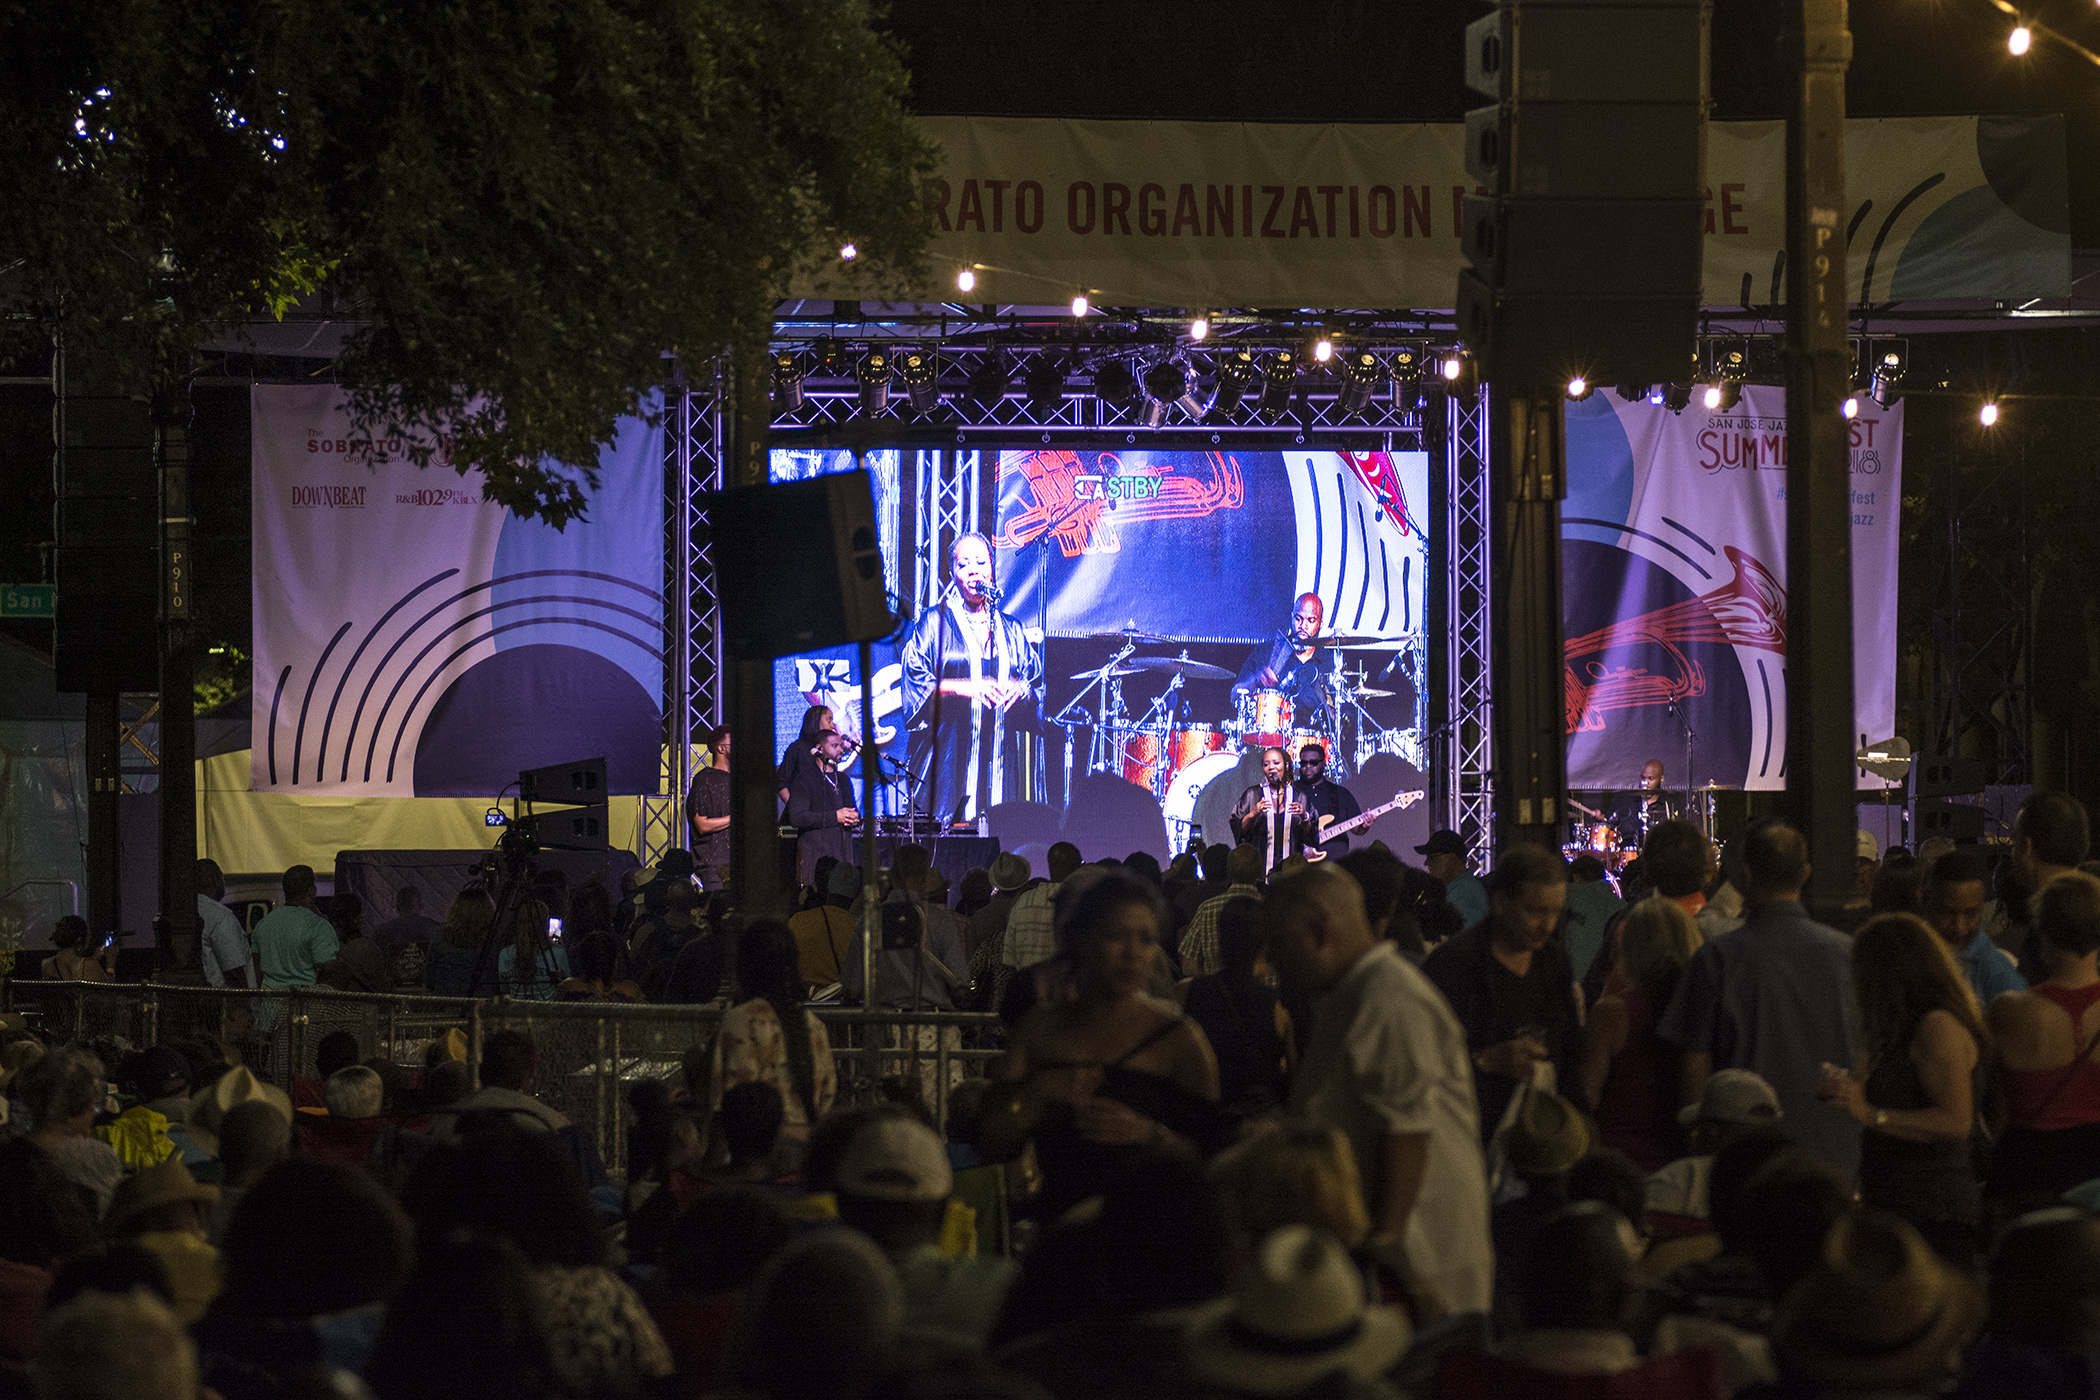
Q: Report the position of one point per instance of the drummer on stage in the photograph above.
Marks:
(1640, 810)
(1290, 662)
(1272, 813)
(1325, 798)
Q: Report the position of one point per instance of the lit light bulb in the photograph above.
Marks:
(1079, 305)
(1989, 415)
(1712, 397)
(965, 280)
(847, 253)
(1323, 349)
(1578, 387)
(1850, 407)
(2020, 40)
(1199, 328)
(1450, 367)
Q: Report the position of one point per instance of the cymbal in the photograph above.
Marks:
(1369, 643)
(1198, 670)
(1133, 633)
(1116, 671)
(1716, 787)
(1374, 694)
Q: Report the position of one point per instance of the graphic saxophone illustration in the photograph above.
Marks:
(1747, 611)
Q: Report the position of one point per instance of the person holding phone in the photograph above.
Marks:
(80, 957)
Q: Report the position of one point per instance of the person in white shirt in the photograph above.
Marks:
(1388, 1066)
(225, 954)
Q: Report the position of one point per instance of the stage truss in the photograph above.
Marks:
(938, 475)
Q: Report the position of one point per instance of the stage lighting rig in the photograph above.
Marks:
(787, 384)
(989, 382)
(919, 371)
(1279, 374)
(1236, 375)
(1631, 393)
(1171, 382)
(872, 372)
(1676, 397)
(1045, 382)
(1405, 369)
(1891, 362)
(1729, 368)
(833, 359)
(1361, 375)
(1458, 371)
(1579, 388)
(1115, 384)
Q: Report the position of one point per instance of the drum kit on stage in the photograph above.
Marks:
(1599, 835)
(1174, 756)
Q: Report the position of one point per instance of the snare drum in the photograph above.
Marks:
(1192, 741)
(1265, 719)
(1603, 840)
(1138, 758)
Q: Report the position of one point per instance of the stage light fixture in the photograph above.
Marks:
(1579, 389)
(1045, 382)
(1989, 415)
(1323, 350)
(1459, 371)
(787, 384)
(847, 252)
(991, 379)
(1631, 393)
(1677, 397)
(873, 373)
(1279, 381)
(1199, 329)
(1361, 376)
(1115, 384)
(2020, 40)
(1850, 407)
(919, 372)
(1722, 397)
(966, 281)
(1891, 361)
(1079, 306)
(1657, 393)
(1236, 375)
(1172, 382)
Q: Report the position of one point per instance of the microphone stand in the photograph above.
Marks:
(1042, 632)
(1684, 722)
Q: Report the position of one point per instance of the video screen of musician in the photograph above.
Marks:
(1109, 654)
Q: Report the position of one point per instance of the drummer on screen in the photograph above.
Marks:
(1290, 662)
(1272, 814)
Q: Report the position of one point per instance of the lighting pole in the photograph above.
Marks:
(1821, 791)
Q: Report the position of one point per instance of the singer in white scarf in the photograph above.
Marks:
(1272, 813)
(970, 678)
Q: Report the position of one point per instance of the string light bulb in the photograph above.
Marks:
(1578, 389)
(847, 252)
(1850, 408)
(1323, 349)
(1989, 415)
(965, 280)
(1079, 305)
(1199, 329)
(2020, 40)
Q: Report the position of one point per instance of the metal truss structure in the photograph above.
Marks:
(1466, 786)
(946, 505)
(1982, 617)
(695, 681)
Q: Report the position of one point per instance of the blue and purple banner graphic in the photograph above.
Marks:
(414, 640)
(1675, 587)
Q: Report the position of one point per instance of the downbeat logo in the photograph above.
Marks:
(328, 497)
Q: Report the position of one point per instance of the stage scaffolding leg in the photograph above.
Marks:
(1466, 784)
(1529, 475)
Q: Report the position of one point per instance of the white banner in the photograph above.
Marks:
(412, 639)
(1675, 588)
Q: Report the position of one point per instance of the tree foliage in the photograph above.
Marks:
(530, 205)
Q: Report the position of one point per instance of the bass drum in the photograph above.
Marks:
(1187, 787)
(1138, 759)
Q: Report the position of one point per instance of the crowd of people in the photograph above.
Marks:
(1314, 1132)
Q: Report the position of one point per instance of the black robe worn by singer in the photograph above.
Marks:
(949, 732)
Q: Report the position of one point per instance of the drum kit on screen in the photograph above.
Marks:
(1174, 756)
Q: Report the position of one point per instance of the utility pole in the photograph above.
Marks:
(1821, 791)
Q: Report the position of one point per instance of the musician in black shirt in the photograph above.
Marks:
(1325, 798)
(1291, 662)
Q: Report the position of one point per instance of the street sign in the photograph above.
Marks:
(28, 600)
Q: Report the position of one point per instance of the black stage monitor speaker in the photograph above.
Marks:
(1957, 821)
(1948, 777)
(574, 828)
(580, 781)
(798, 566)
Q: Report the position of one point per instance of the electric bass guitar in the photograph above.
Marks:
(1331, 829)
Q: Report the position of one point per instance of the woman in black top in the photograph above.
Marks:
(1249, 1030)
(1922, 1049)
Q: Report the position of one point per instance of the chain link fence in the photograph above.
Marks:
(591, 1053)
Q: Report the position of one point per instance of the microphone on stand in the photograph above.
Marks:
(993, 593)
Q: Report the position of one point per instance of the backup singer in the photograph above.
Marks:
(1325, 798)
(1272, 814)
(820, 808)
(968, 671)
(1290, 662)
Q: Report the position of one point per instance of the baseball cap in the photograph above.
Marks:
(1868, 848)
(896, 1159)
(844, 882)
(1442, 843)
(1733, 1096)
